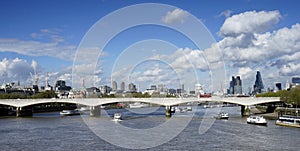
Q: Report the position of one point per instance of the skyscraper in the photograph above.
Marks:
(258, 85)
(278, 86)
(235, 85)
(238, 85)
(132, 87)
(123, 86)
(296, 80)
(231, 87)
(114, 86)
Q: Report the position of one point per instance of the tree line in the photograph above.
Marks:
(291, 96)
(46, 94)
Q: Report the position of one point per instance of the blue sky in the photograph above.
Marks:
(46, 34)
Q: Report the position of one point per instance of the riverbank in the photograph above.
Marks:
(274, 115)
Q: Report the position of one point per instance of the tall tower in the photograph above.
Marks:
(114, 86)
(258, 85)
(123, 86)
(238, 85)
(231, 87)
(235, 85)
(132, 87)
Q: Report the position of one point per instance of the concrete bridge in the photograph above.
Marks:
(95, 103)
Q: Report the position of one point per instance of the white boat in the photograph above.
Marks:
(286, 120)
(177, 109)
(258, 120)
(84, 108)
(189, 108)
(183, 110)
(117, 117)
(172, 109)
(69, 112)
(223, 115)
(138, 105)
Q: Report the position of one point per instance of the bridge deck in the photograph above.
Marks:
(160, 101)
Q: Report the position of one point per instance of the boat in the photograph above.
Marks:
(177, 109)
(138, 105)
(222, 115)
(172, 109)
(183, 110)
(288, 120)
(69, 112)
(84, 108)
(258, 120)
(117, 117)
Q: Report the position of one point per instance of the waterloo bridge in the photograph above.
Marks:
(95, 103)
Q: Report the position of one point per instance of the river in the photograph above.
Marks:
(49, 131)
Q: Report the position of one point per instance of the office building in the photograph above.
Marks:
(235, 86)
(258, 85)
(123, 86)
(114, 86)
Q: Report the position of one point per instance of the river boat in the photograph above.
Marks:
(257, 120)
(69, 112)
(183, 110)
(177, 109)
(138, 105)
(84, 108)
(117, 117)
(288, 120)
(223, 115)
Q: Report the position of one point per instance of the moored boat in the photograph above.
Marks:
(117, 117)
(258, 120)
(138, 105)
(287, 120)
(223, 115)
(69, 112)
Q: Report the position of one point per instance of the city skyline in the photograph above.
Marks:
(43, 37)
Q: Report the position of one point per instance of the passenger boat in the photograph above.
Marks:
(287, 120)
(258, 120)
(69, 112)
(223, 115)
(117, 117)
(84, 108)
(189, 108)
(138, 105)
(177, 109)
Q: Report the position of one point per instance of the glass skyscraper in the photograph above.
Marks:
(258, 85)
(235, 85)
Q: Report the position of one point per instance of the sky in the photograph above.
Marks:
(173, 42)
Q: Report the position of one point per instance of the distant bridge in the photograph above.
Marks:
(245, 101)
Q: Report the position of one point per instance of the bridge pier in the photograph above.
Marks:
(95, 111)
(20, 112)
(168, 111)
(245, 110)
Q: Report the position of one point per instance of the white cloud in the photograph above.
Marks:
(282, 45)
(246, 72)
(46, 42)
(37, 48)
(14, 70)
(226, 13)
(51, 35)
(175, 16)
(188, 59)
(290, 69)
(249, 22)
(251, 44)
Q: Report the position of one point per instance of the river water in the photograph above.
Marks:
(49, 131)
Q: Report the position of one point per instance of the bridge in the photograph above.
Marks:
(95, 103)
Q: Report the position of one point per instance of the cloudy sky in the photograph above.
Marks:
(184, 42)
